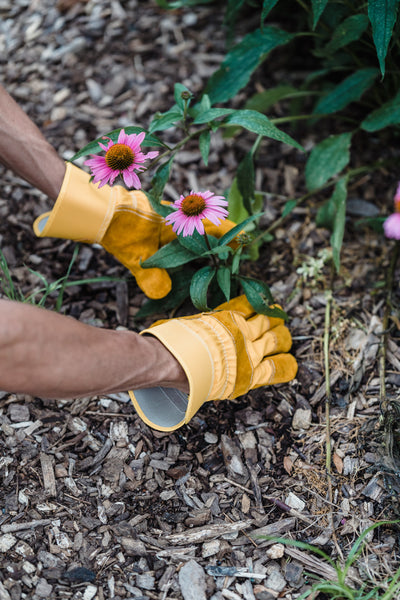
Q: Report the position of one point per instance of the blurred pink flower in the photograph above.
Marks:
(192, 209)
(123, 157)
(392, 224)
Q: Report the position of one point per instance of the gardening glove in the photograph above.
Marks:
(224, 353)
(122, 222)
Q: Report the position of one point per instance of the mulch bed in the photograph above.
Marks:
(94, 503)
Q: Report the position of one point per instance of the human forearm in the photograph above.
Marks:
(25, 151)
(46, 354)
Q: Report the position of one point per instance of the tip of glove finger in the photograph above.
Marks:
(155, 283)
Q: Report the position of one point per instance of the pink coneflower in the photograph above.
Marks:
(392, 224)
(192, 209)
(123, 157)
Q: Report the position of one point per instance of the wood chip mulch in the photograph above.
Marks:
(96, 505)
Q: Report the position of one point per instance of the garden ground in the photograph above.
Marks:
(94, 503)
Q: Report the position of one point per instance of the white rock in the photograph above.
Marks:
(90, 592)
(294, 502)
(7, 541)
(192, 580)
(210, 438)
(275, 551)
(302, 418)
(210, 548)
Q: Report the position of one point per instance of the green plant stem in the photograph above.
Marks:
(213, 258)
(385, 327)
(179, 145)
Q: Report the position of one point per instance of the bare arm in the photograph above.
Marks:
(50, 355)
(25, 151)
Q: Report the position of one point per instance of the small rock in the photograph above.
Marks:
(18, 413)
(49, 561)
(275, 581)
(295, 502)
(275, 551)
(90, 592)
(43, 589)
(7, 541)
(301, 419)
(293, 573)
(192, 580)
(145, 581)
(210, 548)
(133, 547)
(210, 438)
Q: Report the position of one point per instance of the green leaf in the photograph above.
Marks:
(222, 251)
(338, 200)
(349, 90)
(199, 287)
(160, 179)
(260, 297)
(237, 211)
(327, 159)
(242, 60)
(255, 122)
(236, 260)
(204, 145)
(179, 292)
(212, 114)
(268, 5)
(178, 89)
(385, 116)
(169, 256)
(161, 209)
(350, 30)
(201, 107)
(166, 120)
(289, 206)
(376, 223)
(94, 148)
(228, 237)
(263, 101)
(196, 242)
(246, 180)
(318, 7)
(382, 15)
(224, 281)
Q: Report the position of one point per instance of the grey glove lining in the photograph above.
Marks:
(165, 407)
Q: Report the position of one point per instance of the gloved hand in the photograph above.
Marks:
(224, 353)
(122, 222)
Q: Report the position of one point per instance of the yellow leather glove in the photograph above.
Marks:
(224, 353)
(123, 222)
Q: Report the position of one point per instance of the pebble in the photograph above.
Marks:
(275, 551)
(301, 419)
(275, 582)
(192, 581)
(295, 502)
(43, 589)
(293, 573)
(18, 413)
(7, 541)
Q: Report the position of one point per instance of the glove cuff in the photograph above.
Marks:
(167, 409)
(81, 212)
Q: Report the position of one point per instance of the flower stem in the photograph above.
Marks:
(179, 145)
(213, 258)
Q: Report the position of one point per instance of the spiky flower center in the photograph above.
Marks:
(119, 157)
(193, 205)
